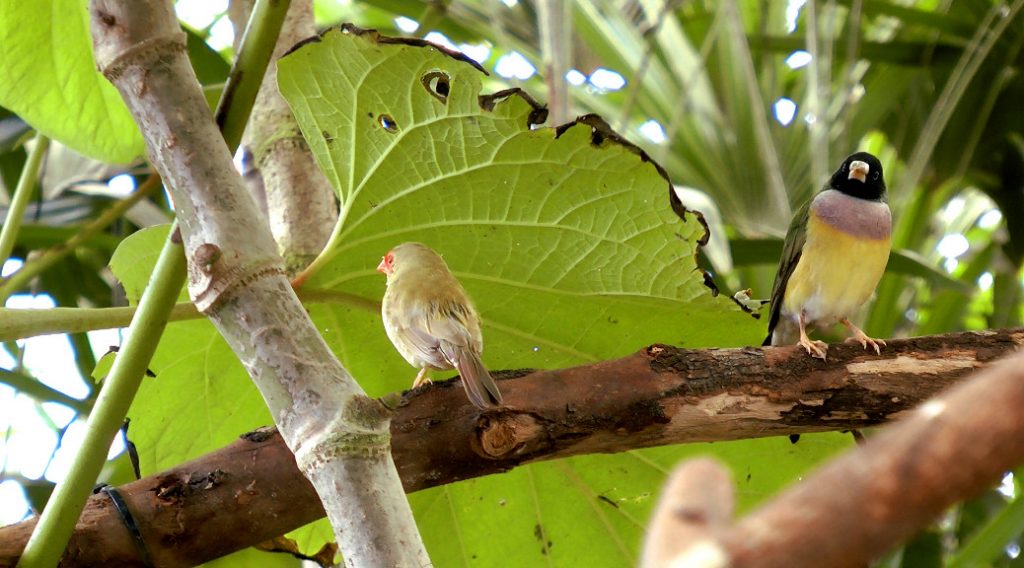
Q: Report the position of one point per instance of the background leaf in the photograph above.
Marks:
(134, 259)
(50, 80)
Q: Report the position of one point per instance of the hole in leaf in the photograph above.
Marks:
(437, 84)
(387, 123)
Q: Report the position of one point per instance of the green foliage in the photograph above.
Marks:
(134, 259)
(103, 366)
(569, 248)
(50, 79)
(881, 81)
(254, 557)
(987, 524)
(209, 66)
(590, 510)
(578, 229)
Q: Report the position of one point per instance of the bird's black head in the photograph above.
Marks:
(861, 176)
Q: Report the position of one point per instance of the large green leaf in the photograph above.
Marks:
(50, 80)
(572, 222)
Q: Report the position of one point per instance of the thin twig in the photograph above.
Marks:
(34, 267)
(48, 540)
(22, 194)
(555, 42)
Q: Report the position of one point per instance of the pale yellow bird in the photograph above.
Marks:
(431, 321)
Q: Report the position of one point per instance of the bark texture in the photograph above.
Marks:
(947, 450)
(297, 198)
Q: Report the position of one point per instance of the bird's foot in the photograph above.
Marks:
(862, 338)
(421, 379)
(814, 348)
(865, 341)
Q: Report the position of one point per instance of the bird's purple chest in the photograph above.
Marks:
(855, 217)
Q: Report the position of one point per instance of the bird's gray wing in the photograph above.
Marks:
(796, 236)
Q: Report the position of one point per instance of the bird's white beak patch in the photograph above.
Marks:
(859, 170)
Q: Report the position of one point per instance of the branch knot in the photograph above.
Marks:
(144, 54)
(211, 279)
(338, 444)
(504, 436)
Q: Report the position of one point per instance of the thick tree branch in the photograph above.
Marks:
(299, 201)
(949, 449)
(660, 395)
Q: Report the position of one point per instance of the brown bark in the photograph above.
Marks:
(949, 449)
(232, 498)
(251, 490)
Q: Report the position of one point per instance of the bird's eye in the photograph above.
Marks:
(874, 175)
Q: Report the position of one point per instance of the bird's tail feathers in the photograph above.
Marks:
(480, 387)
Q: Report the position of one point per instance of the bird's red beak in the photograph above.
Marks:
(859, 171)
(386, 264)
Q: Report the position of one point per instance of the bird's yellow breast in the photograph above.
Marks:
(837, 272)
